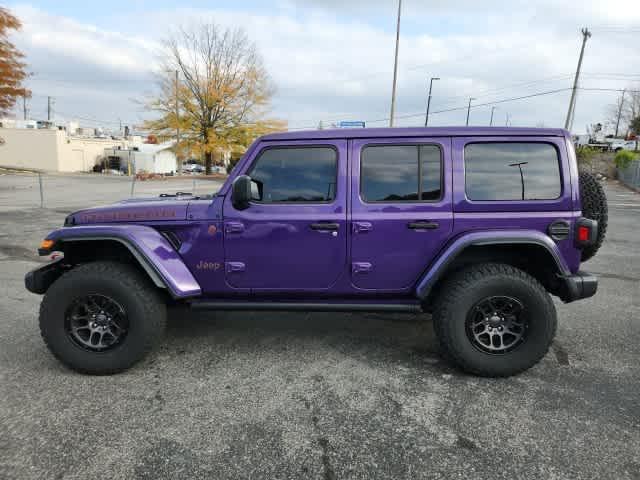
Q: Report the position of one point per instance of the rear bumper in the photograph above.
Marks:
(578, 286)
(39, 280)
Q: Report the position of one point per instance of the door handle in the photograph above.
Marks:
(325, 226)
(423, 225)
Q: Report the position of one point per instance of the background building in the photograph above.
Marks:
(51, 150)
(143, 157)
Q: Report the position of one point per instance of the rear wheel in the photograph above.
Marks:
(101, 317)
(494, 320)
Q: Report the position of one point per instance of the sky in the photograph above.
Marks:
(332, 60)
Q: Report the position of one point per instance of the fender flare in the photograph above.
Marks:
(150, 248)
(512, 237)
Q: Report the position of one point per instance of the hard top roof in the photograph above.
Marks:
(347, 133)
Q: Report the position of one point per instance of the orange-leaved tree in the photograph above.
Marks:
(219, 98)
(12, 68)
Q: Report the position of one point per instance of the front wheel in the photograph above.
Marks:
(494, 320)
(101, 317)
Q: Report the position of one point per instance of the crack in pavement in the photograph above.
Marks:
(328, 473)
(561, 354)
(617, 277)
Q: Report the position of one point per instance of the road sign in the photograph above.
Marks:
(351, 124)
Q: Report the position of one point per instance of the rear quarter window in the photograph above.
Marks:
(512, 171)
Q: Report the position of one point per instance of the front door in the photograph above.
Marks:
(401, 210)
(294, 235)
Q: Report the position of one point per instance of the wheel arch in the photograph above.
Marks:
(81, 250)
(144, 246)
(533, 252)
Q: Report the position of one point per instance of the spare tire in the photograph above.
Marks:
(594, 207)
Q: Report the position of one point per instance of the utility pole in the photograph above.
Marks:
(177, 121)
(507, 119)
(572, 103)
(24, 107)
(619, 113)
(395, 68)
(426, 118)
(48, 109)
(491, 121)
(469, 110)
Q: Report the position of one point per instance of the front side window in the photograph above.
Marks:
(511, 171)
(300, 174)
(397, 173)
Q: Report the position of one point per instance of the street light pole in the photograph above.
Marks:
(395, 68)
(491, 121)
(426, 118)
(469, 110)
(177, 120)
(519, 165)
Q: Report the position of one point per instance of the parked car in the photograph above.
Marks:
(618, 145)
(192, 166)
(479, 226)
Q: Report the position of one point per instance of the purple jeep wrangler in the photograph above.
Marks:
(479, 226)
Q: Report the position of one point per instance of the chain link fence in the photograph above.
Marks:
(26, 190)
(630, 176)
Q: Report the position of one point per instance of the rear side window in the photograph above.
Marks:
(511, 171)
(305, 174)
(400, 173)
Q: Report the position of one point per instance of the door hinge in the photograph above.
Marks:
(362, 227)
(232, 267)
(234, 227)
(361, 267)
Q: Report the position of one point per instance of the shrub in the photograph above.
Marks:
(585, 155)
(624, 158)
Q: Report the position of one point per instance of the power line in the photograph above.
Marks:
(595, 89)
(451, 99)
(477, 105)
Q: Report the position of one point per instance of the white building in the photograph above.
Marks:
(145, 157)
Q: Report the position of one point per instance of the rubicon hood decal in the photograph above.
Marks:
(132, 212)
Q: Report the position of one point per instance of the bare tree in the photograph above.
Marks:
(631, 109)
(219, 98)
(627, 107)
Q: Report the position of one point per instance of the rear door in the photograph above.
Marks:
(401, 209)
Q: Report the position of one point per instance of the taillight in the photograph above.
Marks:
(586, 232)
(583, 233)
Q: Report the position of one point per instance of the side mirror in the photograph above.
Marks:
(241, 192)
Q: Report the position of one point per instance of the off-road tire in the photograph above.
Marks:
(143, 303)
(594, 207)
(464, 289)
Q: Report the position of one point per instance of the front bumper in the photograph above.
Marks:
(578, 286)
(40, 279)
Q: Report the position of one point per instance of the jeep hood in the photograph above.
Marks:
(134, 210)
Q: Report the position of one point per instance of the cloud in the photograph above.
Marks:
(332, 60)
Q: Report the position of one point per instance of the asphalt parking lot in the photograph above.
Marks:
(316, 396)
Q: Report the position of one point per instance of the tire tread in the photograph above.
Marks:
(460, 282)
(149, 298)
